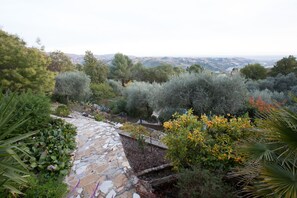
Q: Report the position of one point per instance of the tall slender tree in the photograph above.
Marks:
(121, 68)
(96, 69)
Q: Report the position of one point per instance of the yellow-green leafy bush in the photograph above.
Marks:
(134, 129)
(210, 142)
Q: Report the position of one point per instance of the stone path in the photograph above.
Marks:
(100, 167)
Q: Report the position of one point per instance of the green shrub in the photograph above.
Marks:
(137, 95)
(62, 111)
(118, 105)
(99, 117)
(46, 187)
(116, 86)
(198, 182)
(209, 142)
(203, 92)
(101, 91)
(36, 107)
(135, 129)
(50, 150)
(72, 86)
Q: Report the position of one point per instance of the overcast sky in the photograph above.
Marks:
(156, 27)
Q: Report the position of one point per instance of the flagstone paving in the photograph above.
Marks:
(100, 167)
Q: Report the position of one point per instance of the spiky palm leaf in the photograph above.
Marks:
(13, 171)
(277, 156)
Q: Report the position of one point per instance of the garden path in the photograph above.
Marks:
(100, 167)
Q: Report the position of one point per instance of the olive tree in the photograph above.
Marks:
(72, 86)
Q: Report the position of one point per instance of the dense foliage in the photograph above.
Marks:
(36, 107)
(138, 96)
(23, 68)
(62, 111)
(12, 168)
(95, 69)
(60, 62)
(101, 91)
(121, 68)
(209, 142)
(254, 71)
(201, 183)
(271, 169)
(204, 92)
(285, 66)
(72, 86)
(51, 148)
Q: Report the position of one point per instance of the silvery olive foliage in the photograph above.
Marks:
(204, 93)
(73, 86)
(269, 96)
(138, 95)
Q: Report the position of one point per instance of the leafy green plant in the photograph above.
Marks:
(209, 142)
(46, 187)
(51, 149)
(199, 182)
(118, 105)
(62, 111)
(135, 129)
(34, 106)
(101, 91)
(99, 117)
(13, 171)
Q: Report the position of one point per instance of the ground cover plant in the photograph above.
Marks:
(36, 146)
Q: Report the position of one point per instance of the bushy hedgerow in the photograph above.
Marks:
(138, 96)
(72, 86)
(204, 92)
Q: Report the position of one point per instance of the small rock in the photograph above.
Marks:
(111, 194)
(105, 186)
(135, 195)
(81, 170)
(76, 162)
(79, 190)
(126, 164)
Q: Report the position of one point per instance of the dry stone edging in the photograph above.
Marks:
(100, 167)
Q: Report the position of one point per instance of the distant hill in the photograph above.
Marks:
(221, 64)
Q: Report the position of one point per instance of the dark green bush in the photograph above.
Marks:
(37, 109)
(198, 182)
(118, 105)
(50, 150)
(46, 187)
(101, 91)
(62, 111)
